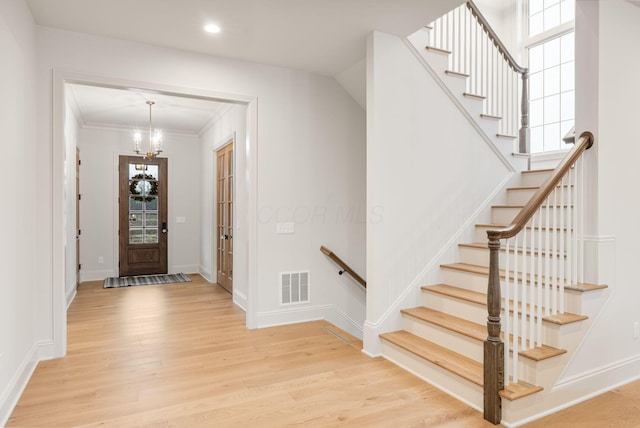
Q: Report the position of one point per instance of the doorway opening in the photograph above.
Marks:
(245, 206)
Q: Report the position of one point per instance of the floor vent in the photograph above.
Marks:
(294, 287)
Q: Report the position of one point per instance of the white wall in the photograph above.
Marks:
(18, 185)
(607, 94)
(71, 143)
(429, 172)
(231, 126)
(311, 153)
(100, 150)
(505, 18)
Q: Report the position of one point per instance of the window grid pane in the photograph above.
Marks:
(552, 92)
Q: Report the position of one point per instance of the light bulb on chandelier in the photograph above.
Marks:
(155, 138)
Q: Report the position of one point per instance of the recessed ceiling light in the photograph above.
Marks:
(212, 28)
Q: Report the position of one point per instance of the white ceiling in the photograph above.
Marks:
(322, 36)
(126, 108)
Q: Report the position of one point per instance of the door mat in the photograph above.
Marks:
(128, 281)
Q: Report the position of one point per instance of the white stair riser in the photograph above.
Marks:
(480, 257)
(534, 178)
(454, 385)
(466, 280)
(459, 308)
(439, 61)
(470, 281)
(478, 314)
(539, 235)
(462, 344)
(522, 196)
(449, 339)
(561, 216)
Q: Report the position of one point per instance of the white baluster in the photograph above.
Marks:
(561, 248)
(540, 278)
(523, 298)
(547, 259)
(554, 260)
(532, 285)
(515, 312)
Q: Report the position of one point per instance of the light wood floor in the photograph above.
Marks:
(179, 355)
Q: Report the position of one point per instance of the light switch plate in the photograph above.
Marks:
(285, 228)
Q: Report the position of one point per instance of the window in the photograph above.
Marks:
(551, 72)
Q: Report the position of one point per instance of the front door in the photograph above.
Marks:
(224, 215)
(143, 215)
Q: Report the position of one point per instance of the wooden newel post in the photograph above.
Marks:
(493, 346)
(523, 140)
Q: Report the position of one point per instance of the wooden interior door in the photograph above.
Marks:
(224, 216)
(142, 216)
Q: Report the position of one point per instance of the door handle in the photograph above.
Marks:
(164, 227)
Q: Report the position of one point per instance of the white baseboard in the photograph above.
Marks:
(96, 275)
(240, 299)
(206, 274)
(184, 269)
(71, 294)
(10, 396)
(309, 313)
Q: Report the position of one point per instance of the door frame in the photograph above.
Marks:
(60, 221)
(230, 140)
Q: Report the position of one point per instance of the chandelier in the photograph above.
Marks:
(155, 139)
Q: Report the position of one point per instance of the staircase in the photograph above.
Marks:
(442, 341)
(545, 310)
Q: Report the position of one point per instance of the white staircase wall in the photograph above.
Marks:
(430, 171)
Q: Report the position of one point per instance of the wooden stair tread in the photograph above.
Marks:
(484, 270)
(507, 206)
(534, 187)
(457, 293)
(521, 389)
(438, 50)
(490, 116)
(481, 299)
(475, 331)
(456, 74)
(501, 226)
(484, 246)
(476, 96)
(464, 367)
(533, 171)
(460, 365)
(450, 322)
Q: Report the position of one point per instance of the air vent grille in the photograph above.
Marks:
(294, 288)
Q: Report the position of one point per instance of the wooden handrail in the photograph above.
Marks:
(327, 252)
(584, 143)
(494, 38)
(523, 134)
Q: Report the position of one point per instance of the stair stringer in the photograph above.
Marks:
(560, 393)
(407, 293)
(455, 86)
(412, 295)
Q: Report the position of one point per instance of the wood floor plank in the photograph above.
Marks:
(180, 355)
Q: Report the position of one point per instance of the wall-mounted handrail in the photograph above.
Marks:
(548, 249)
(346, 268)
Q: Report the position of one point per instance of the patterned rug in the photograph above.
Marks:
(128, 281)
